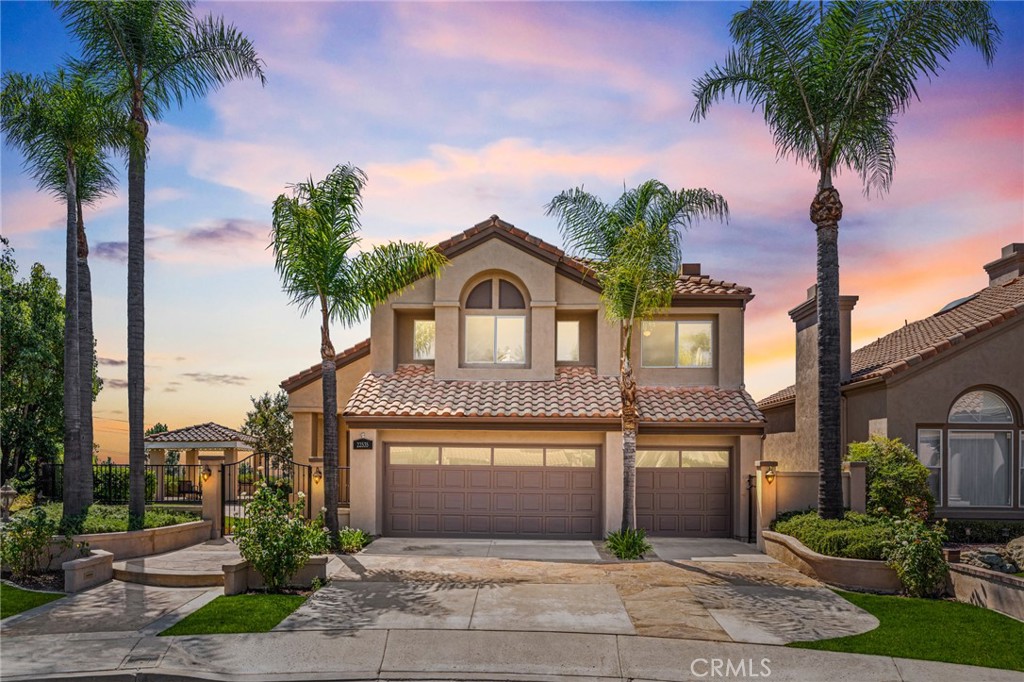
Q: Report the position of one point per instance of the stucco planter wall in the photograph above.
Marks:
(852, 574)
(135, 543)
(89, 571)
(240, 577)
(997, 591)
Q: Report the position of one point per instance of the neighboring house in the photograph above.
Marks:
(486, 403)
(951, 386)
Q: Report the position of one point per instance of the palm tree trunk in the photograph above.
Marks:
(627, 386)
(86, 354)
(826, 212)
(136, 321)
(328, 372)
(74, 502)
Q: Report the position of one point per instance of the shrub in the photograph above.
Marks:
(981, 531)
(628, 544)
(352, 540)
(914, 550)
(24, 501)
(25, 542)
(101, 518)
(110, 484)
(275, 539)
(895, 478)
(855, 536)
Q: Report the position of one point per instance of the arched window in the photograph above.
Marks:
(976, 456)
(495, 323)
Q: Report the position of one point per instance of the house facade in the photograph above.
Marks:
(486, 403)
(951, 386)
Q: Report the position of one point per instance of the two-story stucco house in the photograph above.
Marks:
(486, 403)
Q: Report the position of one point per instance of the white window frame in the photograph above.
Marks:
(675, 345)
(940, 500)
(494, 341)
(1009, 505)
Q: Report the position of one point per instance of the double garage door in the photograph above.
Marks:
(485, 491)
(684, 493)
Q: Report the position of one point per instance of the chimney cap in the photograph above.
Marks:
(1008, 266)
(689, 269)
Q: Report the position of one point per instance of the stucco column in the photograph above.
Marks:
(767, 497)
(612, 481)
(365, 482)
(858, 486)
(230, 455)
(192, 456)
(158, 458)
(316, 491)
(750, 452)
(302, 436)
(213, 504)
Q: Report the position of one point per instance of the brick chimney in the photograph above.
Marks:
(1009, 266)
(805, 317)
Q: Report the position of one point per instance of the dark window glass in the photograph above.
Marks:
(480, 297)
(509, 297)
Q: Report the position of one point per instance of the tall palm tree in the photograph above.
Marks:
(633, 248)
(152, 53)
(314, 231)
(64, 126)
(830, 80)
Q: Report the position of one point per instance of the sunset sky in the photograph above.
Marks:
(460, 111)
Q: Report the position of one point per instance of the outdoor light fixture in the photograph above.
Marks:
(7, 495)
(207, 472)
(318, 476)
(769, 475)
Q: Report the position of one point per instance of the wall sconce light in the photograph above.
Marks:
(318, 476)
(207, 472)
(769, 475)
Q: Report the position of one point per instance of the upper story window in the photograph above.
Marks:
(495, 324)
(567, 341)
(423, 336)
(682, 343)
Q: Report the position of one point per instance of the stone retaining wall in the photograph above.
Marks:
(135, 543)
(851, 574)
(997, 591)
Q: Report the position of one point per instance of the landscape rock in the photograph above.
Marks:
(991, 558)
(1015, 551)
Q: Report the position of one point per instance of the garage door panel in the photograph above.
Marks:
(461, 499)
(684, 501)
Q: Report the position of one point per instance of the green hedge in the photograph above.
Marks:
(111, 519)
(856, 536)
(983, 531)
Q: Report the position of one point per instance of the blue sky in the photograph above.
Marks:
(460, 111)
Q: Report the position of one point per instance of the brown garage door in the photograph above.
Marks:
(684, 493)
(483, 491)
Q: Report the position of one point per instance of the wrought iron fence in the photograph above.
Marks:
(238, 482)
(165, 483)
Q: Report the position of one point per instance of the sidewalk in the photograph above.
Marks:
(449, 655)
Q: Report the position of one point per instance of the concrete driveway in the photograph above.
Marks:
(719, 590)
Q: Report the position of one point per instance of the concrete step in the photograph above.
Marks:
(130, 571)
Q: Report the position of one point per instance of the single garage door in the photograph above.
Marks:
(484, 491)
(684, 493)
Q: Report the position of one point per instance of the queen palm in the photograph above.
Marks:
(830, 81)
(633, 248)
(151, 53)
(315, 231)
(64, 125)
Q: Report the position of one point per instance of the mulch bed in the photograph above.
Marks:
(44, 582)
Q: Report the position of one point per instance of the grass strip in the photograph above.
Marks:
(237, 614)
(932, 630)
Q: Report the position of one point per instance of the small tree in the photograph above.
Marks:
(896, 480)
(271, 424)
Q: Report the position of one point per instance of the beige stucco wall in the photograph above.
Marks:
(306, 406)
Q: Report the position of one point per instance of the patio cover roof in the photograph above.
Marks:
(208, 436)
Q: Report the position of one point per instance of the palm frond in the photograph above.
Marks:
(375, 275)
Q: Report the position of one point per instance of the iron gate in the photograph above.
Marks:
(238, 482)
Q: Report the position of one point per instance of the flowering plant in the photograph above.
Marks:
(275, 538)
(914, 551)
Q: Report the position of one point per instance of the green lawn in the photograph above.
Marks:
(15, 600)
(240, 613)
(932, 630)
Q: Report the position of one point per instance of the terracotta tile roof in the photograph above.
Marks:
(702, 285)
(923, 339)
(703, 404)
(412, 391)
(340, 360)
(201, 433)
(576, 393)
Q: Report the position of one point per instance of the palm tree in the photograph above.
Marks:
(64, 125)
(313, 232)
(633, 248)
(830, 81)
(151, 53)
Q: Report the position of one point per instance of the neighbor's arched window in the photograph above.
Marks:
(495, 313)
(979, 459)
